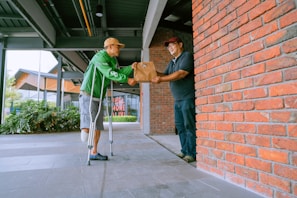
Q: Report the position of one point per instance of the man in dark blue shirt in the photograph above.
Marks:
(180, 74)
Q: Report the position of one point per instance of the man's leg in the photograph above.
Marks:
(96, 141)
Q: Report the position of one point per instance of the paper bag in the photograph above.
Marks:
(144, 71)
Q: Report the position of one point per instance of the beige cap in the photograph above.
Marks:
(113, 41)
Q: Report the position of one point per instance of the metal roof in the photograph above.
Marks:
(70, 28)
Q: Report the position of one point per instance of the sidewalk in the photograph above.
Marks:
(55, 166)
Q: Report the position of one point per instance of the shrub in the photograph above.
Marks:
(40, 117)
(122, 118)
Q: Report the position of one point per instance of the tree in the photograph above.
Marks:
(11, 93)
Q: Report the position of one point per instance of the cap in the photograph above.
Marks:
(113, 41)
(172, 40)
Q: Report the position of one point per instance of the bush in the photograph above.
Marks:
(40, 117)
(122, 118)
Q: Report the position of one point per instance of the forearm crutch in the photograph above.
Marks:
(109, 113)
(93, 120)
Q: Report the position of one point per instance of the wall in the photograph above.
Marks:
(246, 80)
(161, 100)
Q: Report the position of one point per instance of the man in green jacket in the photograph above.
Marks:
(104, 64)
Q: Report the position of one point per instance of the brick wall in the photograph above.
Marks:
(161, 107)
(246, 80)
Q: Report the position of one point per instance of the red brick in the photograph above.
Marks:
(229, 37)
(235, 179)
(290, 46)
(255, 93)
(281, 62)
(235, 4)
(284, 143)
(201, 116)
(250, 26)
(226, 166)
(288, 19)
(227, 58)
(245, 128)
(263, 141)
(265, 30)
(217, 153)
(240, 63)
(234, 137)
(267, 54)
(278, 11)
(223, 88)
(251, 48)
(240, 21)
(283, 89)
(257, 164)
(242, 84)
(211, 30)
(253, 70)
(217, 135)
(224, 126)
(224, 146)
(223, 19)
(209, 161)
(246, 172)
(208, 108)
(292, 130)
(234, 117)
(284, 117)
(260, 188)
(290, 74)
(261, 8)
(256, 117)
(232, 76)
(247, 6)
(233, 96)
(276, 129)
(241, 41)
(245, 150)
(234, 158)
(269, 104)
(206, 143)
(269, 78)
(215, 80)
(285, 171)
(223, 107)
(294, 160)
(215, 99)
(291, 102)
(273, 155)
(243, 106)
(274, 181)
(202, 134)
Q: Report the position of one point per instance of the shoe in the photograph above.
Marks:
(98, 156)
(189, 159)
(180, 155)
(84, 136)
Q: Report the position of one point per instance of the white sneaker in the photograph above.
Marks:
(84, 136)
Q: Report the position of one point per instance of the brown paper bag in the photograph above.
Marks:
(144, 71)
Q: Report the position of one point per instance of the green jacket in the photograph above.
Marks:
(105, 66)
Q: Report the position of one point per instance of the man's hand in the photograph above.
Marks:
(156, 79)
(132, 82)
(134, 65)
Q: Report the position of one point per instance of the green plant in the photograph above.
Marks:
(126, 118)
(40, 117)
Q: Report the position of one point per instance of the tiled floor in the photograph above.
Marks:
(55, 166)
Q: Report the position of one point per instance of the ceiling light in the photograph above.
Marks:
(99, 10)
(172, 18)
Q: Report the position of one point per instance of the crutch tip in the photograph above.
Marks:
(89, 163)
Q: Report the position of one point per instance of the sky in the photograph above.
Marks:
(30, 60)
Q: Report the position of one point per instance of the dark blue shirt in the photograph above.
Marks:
(183, 88)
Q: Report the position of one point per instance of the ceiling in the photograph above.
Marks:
(71, 30)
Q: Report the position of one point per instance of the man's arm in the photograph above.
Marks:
(171, 77)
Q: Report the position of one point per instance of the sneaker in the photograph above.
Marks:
(84, 136)
(189, 159)
(180, 155)
(98, 156)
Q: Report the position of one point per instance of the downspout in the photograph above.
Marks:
(85, 17)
